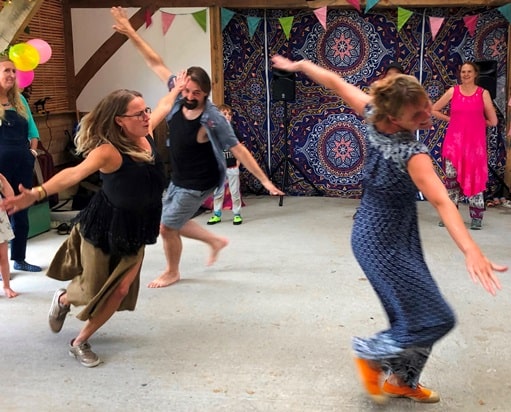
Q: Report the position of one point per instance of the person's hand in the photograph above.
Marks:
(180, 80)
(26, 198)
(481, 271)
(122, 22)
(274, 191)
(282, 63)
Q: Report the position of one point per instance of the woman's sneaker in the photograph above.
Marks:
(476, 224)
(83, 354)
(58, 312)
(238, 220)
(419, 394)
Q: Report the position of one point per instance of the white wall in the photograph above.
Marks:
(185, 44)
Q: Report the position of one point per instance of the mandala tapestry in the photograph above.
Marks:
(314, 144)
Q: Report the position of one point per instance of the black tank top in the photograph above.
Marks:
(193, 165)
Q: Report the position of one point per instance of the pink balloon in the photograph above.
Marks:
(43, 48)
(24, 78)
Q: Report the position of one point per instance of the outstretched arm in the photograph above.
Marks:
(105, 158)
(153, 60)
(478, 265)
(352, 95)
(242, 154)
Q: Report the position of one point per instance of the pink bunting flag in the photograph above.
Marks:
(355, 3)
(166, 21)
(148, 18)
(435, 23)
(321, 16)
(471, 23)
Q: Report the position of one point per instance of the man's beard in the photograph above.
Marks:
(190, 104)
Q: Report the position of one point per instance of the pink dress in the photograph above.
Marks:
(465, 141)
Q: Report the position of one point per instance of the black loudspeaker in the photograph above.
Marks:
(283, 85)
(488, 76)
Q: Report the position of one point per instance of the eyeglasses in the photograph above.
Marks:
(139, 115)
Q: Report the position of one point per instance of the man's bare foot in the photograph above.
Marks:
(10, 293)
(164, 280)
(216, 247)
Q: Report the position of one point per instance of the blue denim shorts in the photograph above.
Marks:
(180, 205)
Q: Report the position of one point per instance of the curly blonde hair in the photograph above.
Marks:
(392, 94)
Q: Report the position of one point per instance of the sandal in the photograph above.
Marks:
(63, 229)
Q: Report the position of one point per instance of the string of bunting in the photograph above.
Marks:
(403, 15)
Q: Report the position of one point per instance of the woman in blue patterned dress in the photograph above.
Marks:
(385, 237)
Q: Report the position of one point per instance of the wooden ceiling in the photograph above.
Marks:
(279, 4)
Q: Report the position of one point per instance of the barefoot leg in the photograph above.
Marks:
(195, 231)
(172, 247)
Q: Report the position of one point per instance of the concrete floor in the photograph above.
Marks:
(267, 328)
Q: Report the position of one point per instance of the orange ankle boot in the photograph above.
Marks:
(419, 394)
(370, 378)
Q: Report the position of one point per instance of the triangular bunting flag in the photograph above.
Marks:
(402, 17)
(370, 4)
(506, 12)
(470, 23)
(287, 24)
(355, 3)
(252, 23)
(148, 18)
(435, 23)
(321, 16)
(200, 18)
(166, 21)
(226, 17)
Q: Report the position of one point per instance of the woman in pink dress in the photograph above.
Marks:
(464, 148)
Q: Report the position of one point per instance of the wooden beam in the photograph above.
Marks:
(282, 4)
(69, 55)
(107, 50)
(14, 18)
(217, 55)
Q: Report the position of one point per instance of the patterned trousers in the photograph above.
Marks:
(475, 203)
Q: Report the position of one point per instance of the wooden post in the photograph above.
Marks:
(217, 55)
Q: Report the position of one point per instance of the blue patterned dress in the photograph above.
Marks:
(386, 243)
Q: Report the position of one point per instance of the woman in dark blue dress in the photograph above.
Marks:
(385, 237)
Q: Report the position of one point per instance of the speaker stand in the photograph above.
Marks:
(287, 161)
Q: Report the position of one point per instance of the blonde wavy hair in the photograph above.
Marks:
(393, 93)
(13, 95)
(99, 127)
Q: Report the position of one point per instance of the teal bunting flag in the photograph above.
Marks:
(252, 22)
(227, 15)
(506, 12)
(370, 4)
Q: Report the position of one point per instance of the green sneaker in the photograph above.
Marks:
(213, 220)
(238, 220)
